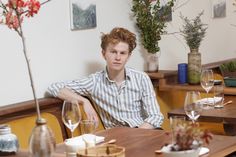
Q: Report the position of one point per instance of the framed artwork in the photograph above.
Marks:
(82, 14)
(218, 8)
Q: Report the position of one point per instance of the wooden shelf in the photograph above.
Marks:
(167, 80)
(163, 86)
(162, 74)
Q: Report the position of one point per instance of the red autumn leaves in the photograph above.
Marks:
(14, 11)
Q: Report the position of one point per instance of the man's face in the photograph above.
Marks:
(116, 56)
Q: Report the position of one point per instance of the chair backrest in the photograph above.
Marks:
(22, 116)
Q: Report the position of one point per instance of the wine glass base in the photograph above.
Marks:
(207, 106)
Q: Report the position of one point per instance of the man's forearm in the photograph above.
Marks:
(69, 95)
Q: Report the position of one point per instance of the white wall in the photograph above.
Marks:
(57, 53)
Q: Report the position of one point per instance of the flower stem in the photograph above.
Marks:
(20, 32)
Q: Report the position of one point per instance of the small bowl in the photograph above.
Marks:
(230, 82)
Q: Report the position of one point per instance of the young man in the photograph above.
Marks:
(123, 96)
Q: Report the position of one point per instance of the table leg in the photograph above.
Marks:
(230, 129)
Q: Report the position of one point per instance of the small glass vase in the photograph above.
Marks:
(42, 141)
(153, 61)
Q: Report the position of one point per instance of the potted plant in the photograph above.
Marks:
(151, 20)
(228, 71)
(189, 138)
(193, 32)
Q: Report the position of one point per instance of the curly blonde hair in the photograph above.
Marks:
(119, 35)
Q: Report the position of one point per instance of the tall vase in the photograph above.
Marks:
(153, 61)
(194, 67)
(42, 141)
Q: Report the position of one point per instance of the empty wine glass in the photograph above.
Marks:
(71, 115)
(207, 82)
(192, 105)
(175, 121)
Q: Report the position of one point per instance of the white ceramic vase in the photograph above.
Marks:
(153, 61)
(187, 153)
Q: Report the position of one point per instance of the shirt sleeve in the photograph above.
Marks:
(150, 104)
(81, 86)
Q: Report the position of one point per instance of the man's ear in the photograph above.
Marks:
(103, 54)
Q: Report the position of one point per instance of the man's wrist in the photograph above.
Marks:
(83, 100)
(146, 125)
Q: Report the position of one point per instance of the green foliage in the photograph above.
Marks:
(193, 31)
(228, 67)
(151, 21)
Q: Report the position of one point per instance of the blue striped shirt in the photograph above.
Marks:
(131, 104)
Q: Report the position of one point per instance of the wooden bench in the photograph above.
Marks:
(21, 117)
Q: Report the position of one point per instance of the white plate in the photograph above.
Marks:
(203, 150)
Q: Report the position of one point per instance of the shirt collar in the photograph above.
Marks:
(127, 75)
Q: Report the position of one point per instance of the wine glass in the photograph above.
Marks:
(192, 105)
(71, 115)
(175, 121)
(207, 82)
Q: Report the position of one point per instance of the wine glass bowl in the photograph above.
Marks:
(175, 121)
(207, 83)
(71, 115)
(192, 105)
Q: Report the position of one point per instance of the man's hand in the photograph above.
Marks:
(90, 111)
(69, 95)
(146, 126)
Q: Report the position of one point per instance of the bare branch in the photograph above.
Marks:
(45, 2)
(184, 3)
(171, 33)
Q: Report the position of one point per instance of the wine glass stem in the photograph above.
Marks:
(71, 134)
(173, 136)
(207, 99)
(208, 104)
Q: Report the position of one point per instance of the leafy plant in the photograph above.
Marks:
(190, 136)
(151, 20)
(229, 66)
(193, 31)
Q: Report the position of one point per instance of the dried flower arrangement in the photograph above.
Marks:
(190, 136)
(193, 31)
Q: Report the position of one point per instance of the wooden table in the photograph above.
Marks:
(143, 143)
(226, 115)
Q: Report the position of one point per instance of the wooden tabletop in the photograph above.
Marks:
(143, 143)
(226, 115)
